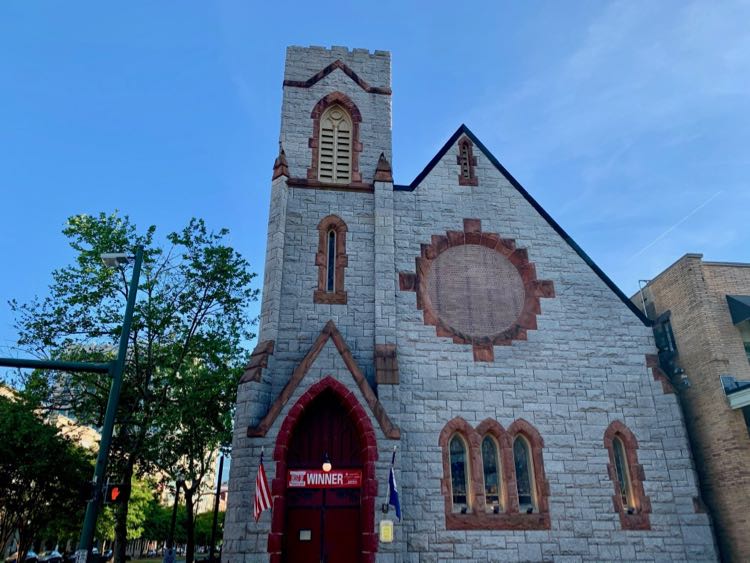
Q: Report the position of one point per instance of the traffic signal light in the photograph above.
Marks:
(116, 493)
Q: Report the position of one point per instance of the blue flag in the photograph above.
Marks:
(393, 490)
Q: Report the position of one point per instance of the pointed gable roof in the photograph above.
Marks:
(329, 332)
(338, 63)
(464, 130)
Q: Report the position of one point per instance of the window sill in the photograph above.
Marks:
(328, 298)
(635, 521)
(501, 521)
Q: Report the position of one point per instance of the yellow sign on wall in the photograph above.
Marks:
(386, 531)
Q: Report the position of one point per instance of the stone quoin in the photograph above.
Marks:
(453, 319)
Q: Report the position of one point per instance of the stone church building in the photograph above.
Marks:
(454, 320)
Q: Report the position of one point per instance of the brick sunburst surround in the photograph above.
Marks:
(639, 519)
(510, 518)
(472, 234)
(359, 418)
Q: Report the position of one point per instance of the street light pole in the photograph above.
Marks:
(216, 510)
(169, 554)
(116, 369)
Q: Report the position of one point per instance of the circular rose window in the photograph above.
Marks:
(475, 291)
(477, 288)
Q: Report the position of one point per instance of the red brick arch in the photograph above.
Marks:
(361, 421)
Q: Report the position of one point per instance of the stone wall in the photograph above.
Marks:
(583, 368)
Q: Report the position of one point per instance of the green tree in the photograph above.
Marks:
(157, 522)
(41, 473)
(190, 317)
(203, 524)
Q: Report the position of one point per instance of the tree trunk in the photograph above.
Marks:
(189, 526)
(121, 520)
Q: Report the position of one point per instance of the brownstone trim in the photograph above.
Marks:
(338, 63)
(369, 491)
(341, 261)
(314, 142)
(472, 234)
(258, 361)
(383, 172)
(304, 183)
(509, 518)
(474, 491)
(386, 364)
(652, 361)
(639, 519)
(280, 165)
(329, 331)
(470, 162)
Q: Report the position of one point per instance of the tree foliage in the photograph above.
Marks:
(186, 351)
(41, 473)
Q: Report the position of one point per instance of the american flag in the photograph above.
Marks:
(262, 493)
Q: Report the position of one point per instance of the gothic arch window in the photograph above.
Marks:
(480, 482)
(335, 154)
(466, 162)
(530, 489)
(459, 464)
(335, 141)
(492, 474)
(627, 476)
(331, 260)
(524, 469)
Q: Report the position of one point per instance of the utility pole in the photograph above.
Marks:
(115, 370)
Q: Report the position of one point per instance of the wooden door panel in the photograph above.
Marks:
(301, 550)
(341, 535)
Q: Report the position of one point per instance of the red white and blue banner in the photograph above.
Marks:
(318, 479)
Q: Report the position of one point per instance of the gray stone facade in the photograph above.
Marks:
(581, 369)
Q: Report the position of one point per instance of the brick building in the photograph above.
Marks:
(451, 318)
(702, 311)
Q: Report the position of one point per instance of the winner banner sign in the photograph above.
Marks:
(317, 479)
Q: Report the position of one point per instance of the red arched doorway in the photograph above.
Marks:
(330, 521)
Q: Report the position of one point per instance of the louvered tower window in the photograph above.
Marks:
(335, 153)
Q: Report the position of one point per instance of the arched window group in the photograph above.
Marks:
(331, 260)
(494, 478)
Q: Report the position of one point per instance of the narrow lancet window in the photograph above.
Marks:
(459, 474)
(623, 476)
(330, 283)
(491, 470)
(524, 478)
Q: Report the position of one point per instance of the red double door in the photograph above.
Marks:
(323, 524)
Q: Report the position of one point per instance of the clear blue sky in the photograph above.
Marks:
(628, 121)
